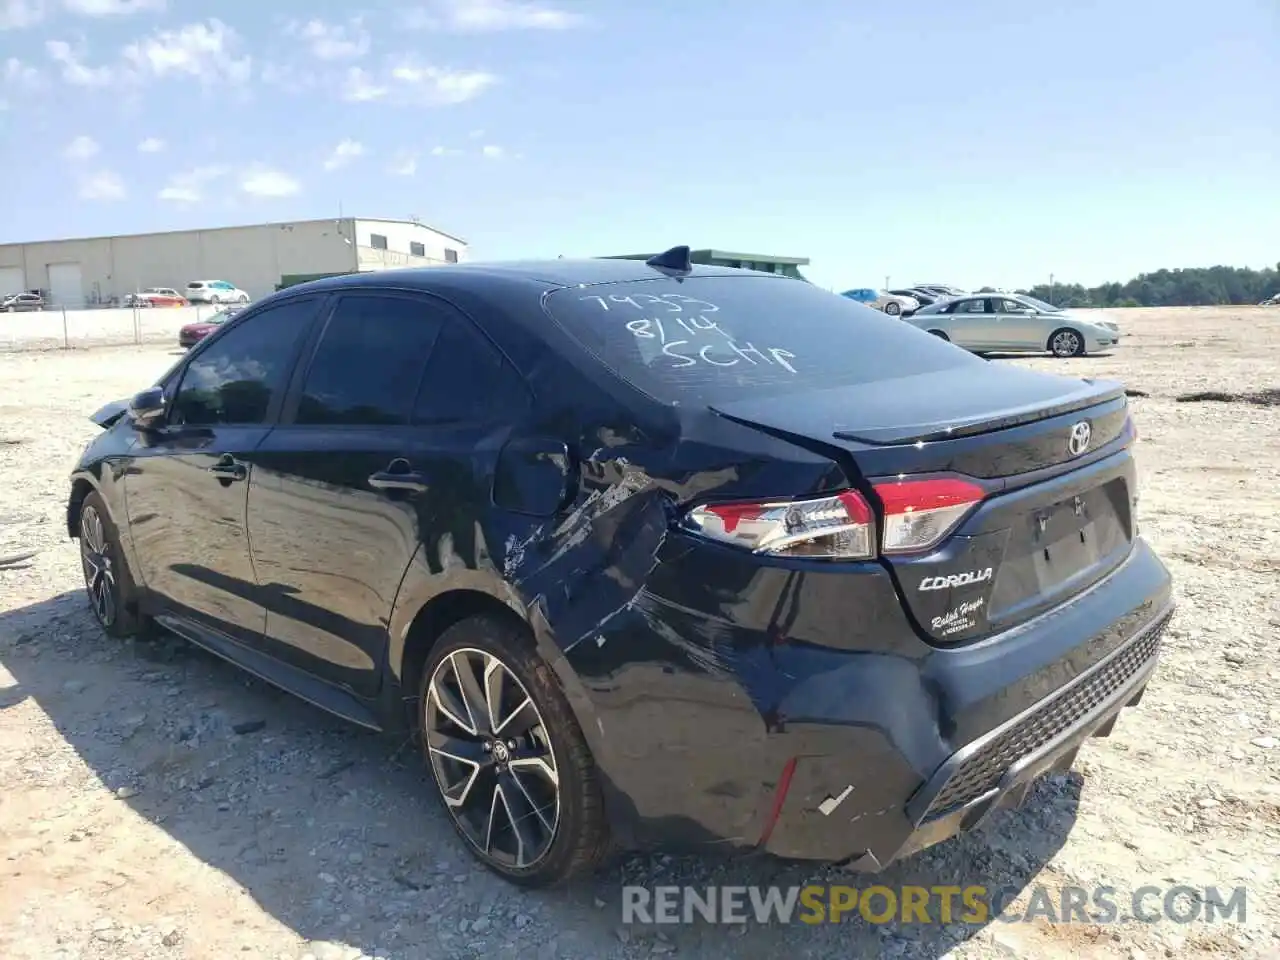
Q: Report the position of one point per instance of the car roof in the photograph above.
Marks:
(552, 273)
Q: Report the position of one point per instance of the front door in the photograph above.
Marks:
(187, 487)
(377, 456)
(1018, 325)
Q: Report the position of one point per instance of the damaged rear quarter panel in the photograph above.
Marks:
(661, 687)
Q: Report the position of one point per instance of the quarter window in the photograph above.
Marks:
(369, 362)
(236, 378)
(468, 380)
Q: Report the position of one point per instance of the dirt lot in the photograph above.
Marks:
(135, 821)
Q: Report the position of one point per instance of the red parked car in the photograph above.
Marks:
(160, 297)
(193, 333)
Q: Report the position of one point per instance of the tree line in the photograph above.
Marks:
(1191, 287)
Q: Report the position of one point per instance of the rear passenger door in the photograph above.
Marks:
(975, 324)
(361, 471)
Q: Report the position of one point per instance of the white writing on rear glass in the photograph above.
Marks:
(692, 336)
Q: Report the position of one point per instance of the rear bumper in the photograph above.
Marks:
(848, 739)
(997, 770)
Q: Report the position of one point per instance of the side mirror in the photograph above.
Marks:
(147, 408)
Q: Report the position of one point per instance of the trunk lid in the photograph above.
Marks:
(1058, 513)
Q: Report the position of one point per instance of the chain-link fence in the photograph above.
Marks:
(65, 328)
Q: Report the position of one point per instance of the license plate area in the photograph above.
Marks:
(1064, 539)
(1059, 548)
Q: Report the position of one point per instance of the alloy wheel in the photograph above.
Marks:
(1066, 343)
(99, 575)
(492, 758)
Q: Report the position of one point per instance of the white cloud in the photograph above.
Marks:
(188, 187)
(404, 164)
(151, 145)
(81, 148)
(113, 8)
(493, 152)
(412, 83)
(442, 86)
(361, 87)
(20, 14)
(20, 75)
(103, 185)
(332, 41)
(206, 51)
(74, 70)
(265, 182)
(344, 153)
(476, 134)
(444, 152)
(490, 16)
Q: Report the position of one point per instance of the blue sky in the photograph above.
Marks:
(989, 141)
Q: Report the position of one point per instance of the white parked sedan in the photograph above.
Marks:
(1015, 322)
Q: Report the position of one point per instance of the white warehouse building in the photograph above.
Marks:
(258, 259)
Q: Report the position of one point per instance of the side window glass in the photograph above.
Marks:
(235, 379)
(467, 380)
(369, 362)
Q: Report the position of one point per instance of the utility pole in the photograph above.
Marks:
(1051, 288)
(886, 281)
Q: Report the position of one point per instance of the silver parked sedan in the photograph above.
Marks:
(1014, 322)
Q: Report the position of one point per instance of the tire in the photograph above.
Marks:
(556, 792)
(1065, 342)
(940, 335)
(243, 298)
(893, 308)
(215, 299)
(113, 596)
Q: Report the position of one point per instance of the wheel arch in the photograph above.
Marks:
(1067, 328)
(81, 487)
(429, 602)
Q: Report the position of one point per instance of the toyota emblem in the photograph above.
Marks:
(1081, 434)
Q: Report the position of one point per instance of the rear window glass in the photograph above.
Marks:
(715, 339)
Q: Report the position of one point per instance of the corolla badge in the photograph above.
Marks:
(1078, 442)
(956, 580)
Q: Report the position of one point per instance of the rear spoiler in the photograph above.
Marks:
(1092, 393)
(110, 414)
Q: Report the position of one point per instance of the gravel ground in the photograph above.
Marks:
(159, 803)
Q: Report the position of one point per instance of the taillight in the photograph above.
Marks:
(919, 514)
(836, 527)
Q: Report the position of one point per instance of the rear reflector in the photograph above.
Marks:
(836, 527)
(779, 799)
(919, 514)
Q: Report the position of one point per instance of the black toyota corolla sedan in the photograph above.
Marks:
(644, 554)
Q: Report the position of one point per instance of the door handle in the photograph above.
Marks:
(228, 469)
(398, 475)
